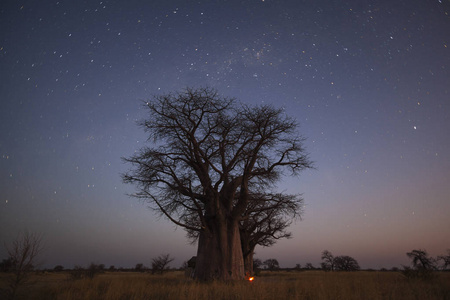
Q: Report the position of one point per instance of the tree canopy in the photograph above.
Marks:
(338, 263)
(213, 164)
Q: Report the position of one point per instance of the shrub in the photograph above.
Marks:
(58, 268)
(79, 272)
(76, 273)
(418, 273)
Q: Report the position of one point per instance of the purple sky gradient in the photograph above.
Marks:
(368, 81)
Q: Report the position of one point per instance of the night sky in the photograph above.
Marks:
(368, 81)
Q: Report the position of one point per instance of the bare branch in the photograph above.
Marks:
(210, 157)
(23, 253)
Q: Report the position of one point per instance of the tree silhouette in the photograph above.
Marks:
(265, 221)
(23, 253)
(345, 263)
(445, 260)
(423, 266)
(271, 264)
(208, 153)
(139, 267)
(338, 263)
(161, 263)
(327, 261)
(58, 268)
(421, 260)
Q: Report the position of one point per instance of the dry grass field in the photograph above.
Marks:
(269, 285)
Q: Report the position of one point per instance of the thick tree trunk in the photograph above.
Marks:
(248, 264)
(219, 254)
(247, 252)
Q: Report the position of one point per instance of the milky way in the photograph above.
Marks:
(368, 81)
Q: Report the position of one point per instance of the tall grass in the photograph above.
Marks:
(269, 285)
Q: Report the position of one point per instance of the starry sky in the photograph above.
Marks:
(368, 82)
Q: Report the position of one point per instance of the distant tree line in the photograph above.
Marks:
(90, 272)
(24, 250)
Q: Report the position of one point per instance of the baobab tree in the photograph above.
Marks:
(208, 152)
(265, 221)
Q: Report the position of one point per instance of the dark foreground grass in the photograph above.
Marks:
(269, 285)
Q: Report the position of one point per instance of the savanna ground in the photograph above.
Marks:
(268, 285)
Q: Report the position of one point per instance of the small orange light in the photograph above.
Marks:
(251, 278)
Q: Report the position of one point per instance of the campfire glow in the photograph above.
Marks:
(251, 278)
